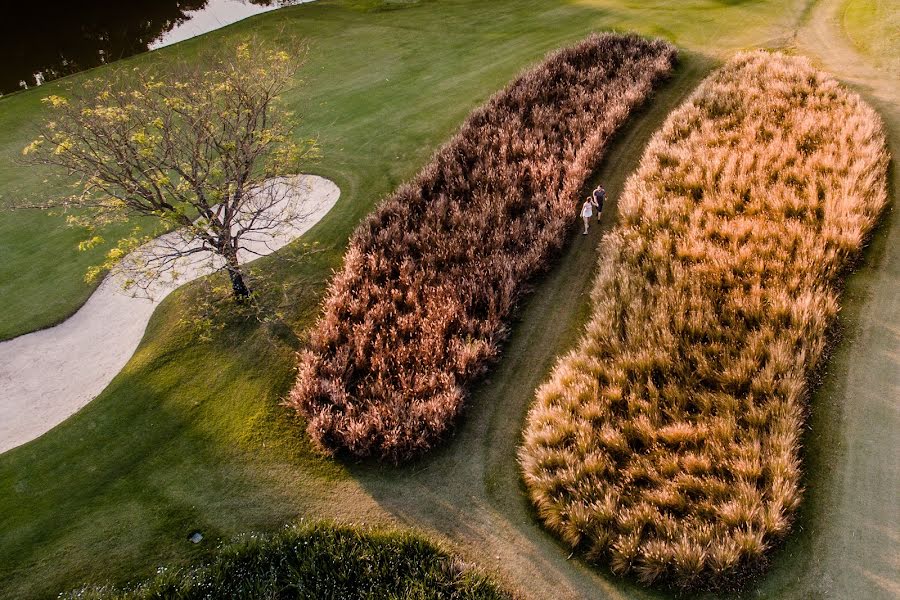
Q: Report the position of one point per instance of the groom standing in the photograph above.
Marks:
(599, 196)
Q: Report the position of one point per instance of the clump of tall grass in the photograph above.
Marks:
(316, 562)
(667, 443)
(430, 279)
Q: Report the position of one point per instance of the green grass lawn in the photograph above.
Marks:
(190, 435)
(874, 28)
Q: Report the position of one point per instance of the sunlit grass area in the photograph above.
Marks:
(874, 27)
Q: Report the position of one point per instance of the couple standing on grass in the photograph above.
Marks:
(595, 200)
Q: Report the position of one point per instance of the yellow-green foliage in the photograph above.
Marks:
(667, 442)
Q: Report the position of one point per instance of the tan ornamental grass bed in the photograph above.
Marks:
(430, 280)
(667, 444)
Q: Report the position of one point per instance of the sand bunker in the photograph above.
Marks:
(48, 375)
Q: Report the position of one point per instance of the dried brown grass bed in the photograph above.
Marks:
(430, 279)
(667, 443)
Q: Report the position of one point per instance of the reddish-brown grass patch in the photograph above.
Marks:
(430, 279)
(667, 443)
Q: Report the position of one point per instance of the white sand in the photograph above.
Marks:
(48, 375)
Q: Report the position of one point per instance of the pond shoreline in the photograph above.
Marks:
(46, 43)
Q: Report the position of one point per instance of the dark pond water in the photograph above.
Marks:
(41, 40)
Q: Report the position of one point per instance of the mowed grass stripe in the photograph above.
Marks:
(431, 279)
(667, 442)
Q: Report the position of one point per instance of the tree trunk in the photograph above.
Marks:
(238, 287)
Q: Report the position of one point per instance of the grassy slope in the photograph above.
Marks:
(37, 289)
(190, 436)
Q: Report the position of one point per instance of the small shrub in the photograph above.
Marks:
(430, 280)
(315, 562)
(710, 312)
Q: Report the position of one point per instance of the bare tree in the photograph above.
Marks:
(206, 151)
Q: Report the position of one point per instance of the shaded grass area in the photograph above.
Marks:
(316, 562)
(114, 492)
